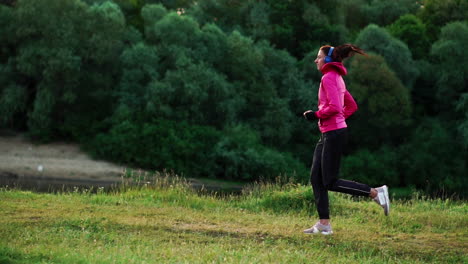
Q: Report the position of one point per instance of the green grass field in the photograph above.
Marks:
(167, 222)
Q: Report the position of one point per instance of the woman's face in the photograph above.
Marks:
(320, 60)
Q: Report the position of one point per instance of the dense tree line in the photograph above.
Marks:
(216, 88)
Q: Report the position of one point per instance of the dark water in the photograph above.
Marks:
(49, 184)
(54, 185)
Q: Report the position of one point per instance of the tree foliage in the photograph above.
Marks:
(218, 88)
(373, 167)
(410, 29)
(384, 102)
(61, 48)
(360, 13)
(203, 76)
(428, 161)
(376, 39)
(462, 107)
(451, 81)
(436, 14)
(382, 12)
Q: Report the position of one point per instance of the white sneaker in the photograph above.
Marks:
(319, 228)
(383, 199)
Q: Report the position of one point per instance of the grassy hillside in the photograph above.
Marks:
(166, 222)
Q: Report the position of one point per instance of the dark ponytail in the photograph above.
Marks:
(342, 52)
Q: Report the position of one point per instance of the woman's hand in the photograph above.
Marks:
(310, 115)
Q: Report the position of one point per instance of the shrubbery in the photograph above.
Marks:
(235, 153)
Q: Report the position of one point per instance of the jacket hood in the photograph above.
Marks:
(337, 67)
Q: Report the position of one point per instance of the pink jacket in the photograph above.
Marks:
(335, 103)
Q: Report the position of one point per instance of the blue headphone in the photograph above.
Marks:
(328, 58)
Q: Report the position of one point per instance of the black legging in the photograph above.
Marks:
(325, 169)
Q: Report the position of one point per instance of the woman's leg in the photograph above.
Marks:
(320, 191)
(334, 143)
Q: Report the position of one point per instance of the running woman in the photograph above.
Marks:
(335, 105)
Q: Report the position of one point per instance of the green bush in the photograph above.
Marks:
(434, 159)
(195, 151)
(372, 168)
(161, 144)
(239, 155)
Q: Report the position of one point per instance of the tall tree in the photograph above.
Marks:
(435, 14)
(462, 107)
(63, 47)
(410, 29)
(13, 95)
(382, 12)
(396, 53)
(452, 65)
(7, 36)
(384, 103)
(140, 65)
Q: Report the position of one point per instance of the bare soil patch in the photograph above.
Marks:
(25, 163)
(52, 166)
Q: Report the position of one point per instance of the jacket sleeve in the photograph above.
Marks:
(331, 91)
(350, 105)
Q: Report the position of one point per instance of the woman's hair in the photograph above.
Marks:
(342, 52)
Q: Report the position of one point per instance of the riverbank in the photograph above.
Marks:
(62, 165)
(29, 165)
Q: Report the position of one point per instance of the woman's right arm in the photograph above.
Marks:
(350, 105)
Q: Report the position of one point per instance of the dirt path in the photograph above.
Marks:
(25, 163)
